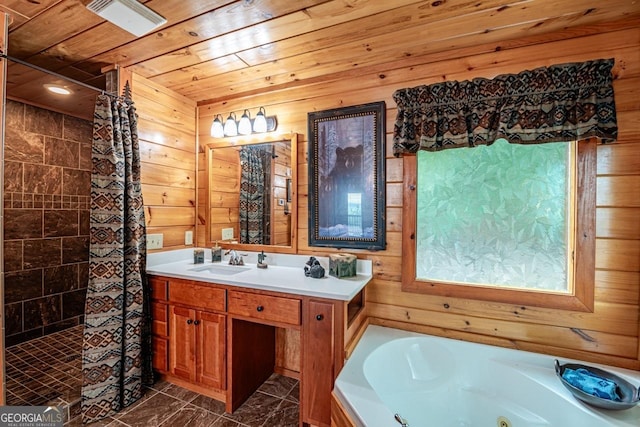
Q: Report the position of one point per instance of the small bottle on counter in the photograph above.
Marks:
(216, 253)
(198, 256)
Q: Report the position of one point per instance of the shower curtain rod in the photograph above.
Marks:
(53, 73)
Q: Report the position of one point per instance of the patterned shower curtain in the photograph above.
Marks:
(253, 203)
(116, 352)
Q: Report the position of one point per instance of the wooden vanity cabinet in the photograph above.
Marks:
(197, 346)
(195, 338)
(221, 340)
(322, 358)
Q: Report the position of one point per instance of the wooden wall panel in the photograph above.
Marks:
(167, 133)
(609, 334)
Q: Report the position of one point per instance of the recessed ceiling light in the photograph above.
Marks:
(60, 90)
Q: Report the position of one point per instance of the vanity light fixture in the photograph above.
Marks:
(57, 89)
(245, 126)
(217, 129)
(231, 126)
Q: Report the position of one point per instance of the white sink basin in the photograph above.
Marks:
(224, 270)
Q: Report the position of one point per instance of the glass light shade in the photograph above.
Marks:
(260, 122)
(244, 126)
(230, 126)
(217, 130)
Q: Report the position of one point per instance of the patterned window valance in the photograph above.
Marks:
(558, 103)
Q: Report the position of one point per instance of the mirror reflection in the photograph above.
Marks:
(250, 193)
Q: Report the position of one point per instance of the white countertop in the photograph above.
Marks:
(284, 274)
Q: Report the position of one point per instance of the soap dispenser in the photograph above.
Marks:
(261, 263)
(216, 253)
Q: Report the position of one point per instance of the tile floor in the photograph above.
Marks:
(47, 371)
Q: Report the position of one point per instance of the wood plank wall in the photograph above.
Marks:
(167, 134)
(609, 334)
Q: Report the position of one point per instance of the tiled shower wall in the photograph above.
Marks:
(46, 200)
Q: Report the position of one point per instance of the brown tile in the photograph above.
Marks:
(22, 224)
(13, 318)
(59, 223)
(85, 216)
(286, 415)
(22, 337)
(278, 385)
(12, 255)
(14, 115)
(60, 278)
(83, 275)
(41, 253)
(254, 409)
(209, 404)
(85, 156)
(192, 416)
(151, 411)
(42, 311)
(76, 182)
(226, 422)
(22, 285)
(13, 176)
(294, 394)
(180, 393)
(73, 303)
(77, 129)
(75, 249)
(61, 152)
(42, 179)
(41, 121)
(23, 146)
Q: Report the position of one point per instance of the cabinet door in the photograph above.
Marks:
(182, 343)
(160, 358)
(318, 367)
(211, 333)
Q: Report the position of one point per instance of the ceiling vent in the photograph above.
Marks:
(129, 15)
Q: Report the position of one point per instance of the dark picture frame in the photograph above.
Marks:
(347, 177)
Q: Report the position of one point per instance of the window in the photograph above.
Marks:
(507, 222)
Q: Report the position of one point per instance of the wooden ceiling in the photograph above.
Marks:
(211, 50)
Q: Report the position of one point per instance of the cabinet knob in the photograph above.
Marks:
(189, 321)
(197, 322)
(319, 317)
(259, 308)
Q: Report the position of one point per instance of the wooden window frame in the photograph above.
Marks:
(582, 297)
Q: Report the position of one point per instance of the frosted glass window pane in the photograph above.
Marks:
(495, 216)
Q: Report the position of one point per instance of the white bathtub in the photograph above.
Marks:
(438, 382)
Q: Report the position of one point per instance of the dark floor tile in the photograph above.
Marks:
(226, 422)
(209, 404)
(152, 411)
(180, 393)
(294, 394)
(254, 410)
(192, 416)
(278, 385)
(287, 415)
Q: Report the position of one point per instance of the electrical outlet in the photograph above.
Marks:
(154, 241)
(227, 233)
(188, 237)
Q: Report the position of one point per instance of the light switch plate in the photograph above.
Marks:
(227, 233)
(154, 241)
(188, 237)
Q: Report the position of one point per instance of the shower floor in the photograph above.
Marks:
(46, 371)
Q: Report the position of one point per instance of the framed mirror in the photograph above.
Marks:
(251, 193)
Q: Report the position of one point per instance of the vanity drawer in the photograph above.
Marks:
(266, 307)
(197, 295)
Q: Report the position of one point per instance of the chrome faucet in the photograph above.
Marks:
(234, 258)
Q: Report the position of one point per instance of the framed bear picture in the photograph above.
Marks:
(347, 177)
